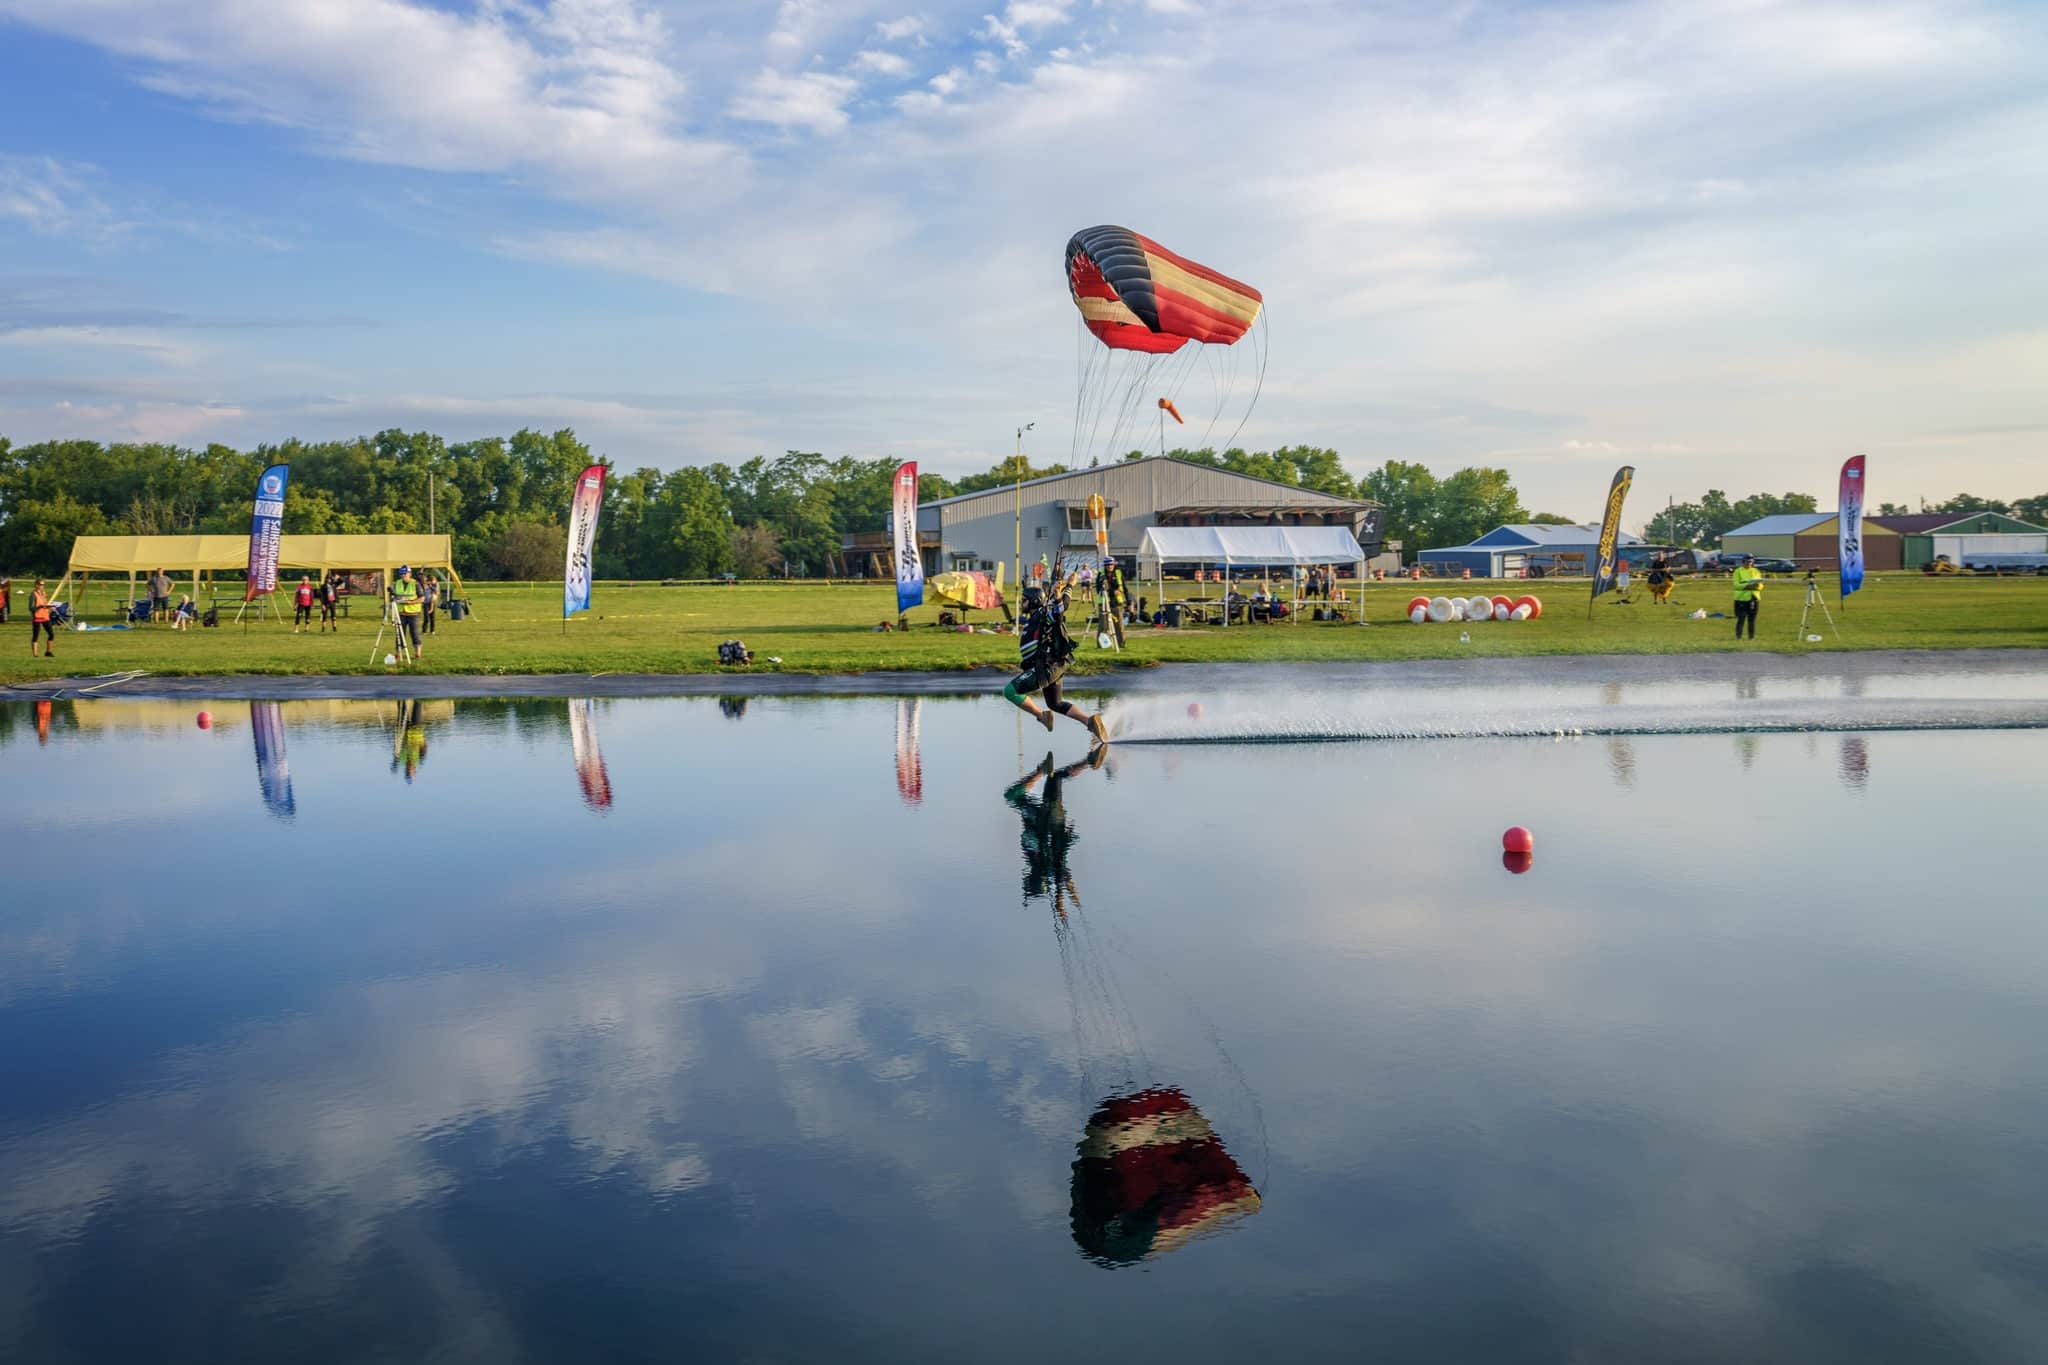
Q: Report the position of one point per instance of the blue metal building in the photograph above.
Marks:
(1514, 551)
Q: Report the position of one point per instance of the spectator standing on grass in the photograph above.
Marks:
(430, 601)
(330, 599)
(39, 622)
(1749, 592)
(159, 595)
(6, 598)
(302, 605)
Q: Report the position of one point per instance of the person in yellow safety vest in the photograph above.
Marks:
(1749, 592)
(406, 594)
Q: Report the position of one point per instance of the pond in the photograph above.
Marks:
(887, 1028)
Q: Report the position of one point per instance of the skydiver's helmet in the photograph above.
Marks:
(1034, 597)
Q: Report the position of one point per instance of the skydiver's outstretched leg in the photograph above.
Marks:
(1018, 693)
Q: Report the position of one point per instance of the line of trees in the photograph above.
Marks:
(1703, 523)
(503, 500)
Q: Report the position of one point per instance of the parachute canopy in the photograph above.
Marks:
(1135, 295)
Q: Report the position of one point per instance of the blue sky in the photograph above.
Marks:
(1730, 241)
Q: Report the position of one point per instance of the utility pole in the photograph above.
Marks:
(1017, 563)
(431, 528)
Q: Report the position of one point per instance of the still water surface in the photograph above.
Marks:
(791, 1029)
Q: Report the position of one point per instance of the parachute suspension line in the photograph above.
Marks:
(1086, 358)
(1105, 1032)
(1175, 991)
(1259, 384)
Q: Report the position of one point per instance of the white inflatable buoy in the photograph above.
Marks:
(1419, 615)
(1479, 609)
(1519, 614)
(1440, 609)
(1459, 609)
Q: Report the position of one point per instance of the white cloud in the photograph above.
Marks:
(582, 90)
(896, 30)
(877, 63)
(812, 99)
(55, 198)
(1529, 227)
(794, 22)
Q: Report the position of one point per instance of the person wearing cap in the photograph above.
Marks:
(405, 595)
(1114, 597)
(1749, 592)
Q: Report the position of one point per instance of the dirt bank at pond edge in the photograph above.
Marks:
(1624, 668)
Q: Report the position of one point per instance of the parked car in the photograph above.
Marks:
(1778, 566)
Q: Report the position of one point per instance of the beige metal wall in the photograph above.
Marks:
(985, 524)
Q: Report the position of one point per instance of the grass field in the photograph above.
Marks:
(819, 628)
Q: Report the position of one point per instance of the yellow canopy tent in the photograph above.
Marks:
(197, 556)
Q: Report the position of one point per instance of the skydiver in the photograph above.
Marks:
(1044, 649)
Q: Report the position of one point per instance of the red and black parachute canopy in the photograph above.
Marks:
(1135, 295)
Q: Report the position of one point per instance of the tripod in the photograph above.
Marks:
(1814, 599)
(390, 618)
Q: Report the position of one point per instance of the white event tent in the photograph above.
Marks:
(1252, 547)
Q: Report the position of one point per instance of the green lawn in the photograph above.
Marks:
(820, 628)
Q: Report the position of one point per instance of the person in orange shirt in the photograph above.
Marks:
(40, 623)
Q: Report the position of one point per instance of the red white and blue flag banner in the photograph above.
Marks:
(909, 762)
(273, 772)
(1849, 521)
(1610, 530)
(590, 771)
(265, 528)
(582, 540)
(903, 522)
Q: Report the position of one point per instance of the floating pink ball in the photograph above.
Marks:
(1194, 710)
(206, 720)
(1518, 840)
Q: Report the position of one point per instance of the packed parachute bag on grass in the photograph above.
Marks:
(732, 652)
(211, 619)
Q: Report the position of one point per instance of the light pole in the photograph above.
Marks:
(1017, 563)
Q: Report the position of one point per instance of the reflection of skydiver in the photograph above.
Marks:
(1048, 834)
(409, 750)
(1150, 1172)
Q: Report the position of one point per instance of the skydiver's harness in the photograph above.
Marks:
(1043, 647)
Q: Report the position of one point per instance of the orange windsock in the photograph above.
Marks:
(1166, 405)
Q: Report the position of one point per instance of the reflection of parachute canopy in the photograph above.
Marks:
(1151, 1174)
(1141, 305)
(1135, 295)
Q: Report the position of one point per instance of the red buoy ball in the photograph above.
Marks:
(206, 720)
(1518, 840)
(1517, 863)
(1194, 710)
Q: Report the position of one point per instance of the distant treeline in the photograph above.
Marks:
(503, 500)
(1703, 523)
